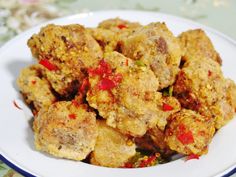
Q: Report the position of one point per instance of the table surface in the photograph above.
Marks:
(19, 15)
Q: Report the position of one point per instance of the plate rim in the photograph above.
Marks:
(225, 173)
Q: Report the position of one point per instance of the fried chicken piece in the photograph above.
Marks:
(65, 130)
(153, 140)
(200, 86)
(112, 148)
(225, 108)
(156, 47)
(127, 96)
(196, 45)
(110, 32)
(35, 89)
(66, 51)
(117, 24)
(106, 38)
(189, 133)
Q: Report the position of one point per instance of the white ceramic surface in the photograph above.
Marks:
(16, 136)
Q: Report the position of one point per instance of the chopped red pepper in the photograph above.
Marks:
(85, 85)
(192, 156)
(182, 127)
(167, 107)
(106, 84)
(103, 69)
(108, 79)
(117, 78)
(16, 105)
(185, 137)
(209, 73)
(47, 64)
(72, 116)
(126, 62)
(148, 161)
(128, 165)
(121, 26)
(33, 82)
(75, 103)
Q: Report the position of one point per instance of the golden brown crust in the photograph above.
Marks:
(189, 133)
(70, 49)
(112, 148)
(196, 45)
(200, 86)
(65, 130)
(158, 48)
(35, 89)
(133, 106)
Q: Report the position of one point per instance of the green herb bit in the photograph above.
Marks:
(140, 63)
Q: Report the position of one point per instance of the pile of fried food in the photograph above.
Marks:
(110, 94)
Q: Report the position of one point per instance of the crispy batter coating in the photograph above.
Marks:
(106, 38)
(65, 130)
(117, 24)
(200, 86)
(133, 106)
(158, 48)
(70, 49)
(35, 89)
(189, 133)
(225, 108)
(153, 140)
(196, 45)
(112, 148)
(110, 32)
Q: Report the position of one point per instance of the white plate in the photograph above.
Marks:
(16, 136)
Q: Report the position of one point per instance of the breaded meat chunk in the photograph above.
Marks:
(110, 32)
(65, 51)
(224, 109)
(117, 24)
(196, 45)
(65, 130)
(35, 89)
(154, 141)
(189, 133)
(112, 148)
(200, 86)
(155, 46)
(106, 38)
(154, 138)
(124, 93)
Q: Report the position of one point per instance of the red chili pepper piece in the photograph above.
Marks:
(209, 73)
(192, 156)
(72, 116)
(128, 165)
(106, 84)
(33, 82)
(185, 137)
(182, 128)
(75, 103)
(117, 78)
(148, 161)
(16, 105)
(85, 85)
(121, 26)
(126, 62)
(103, 69)
(47, 64)
(167, 107)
